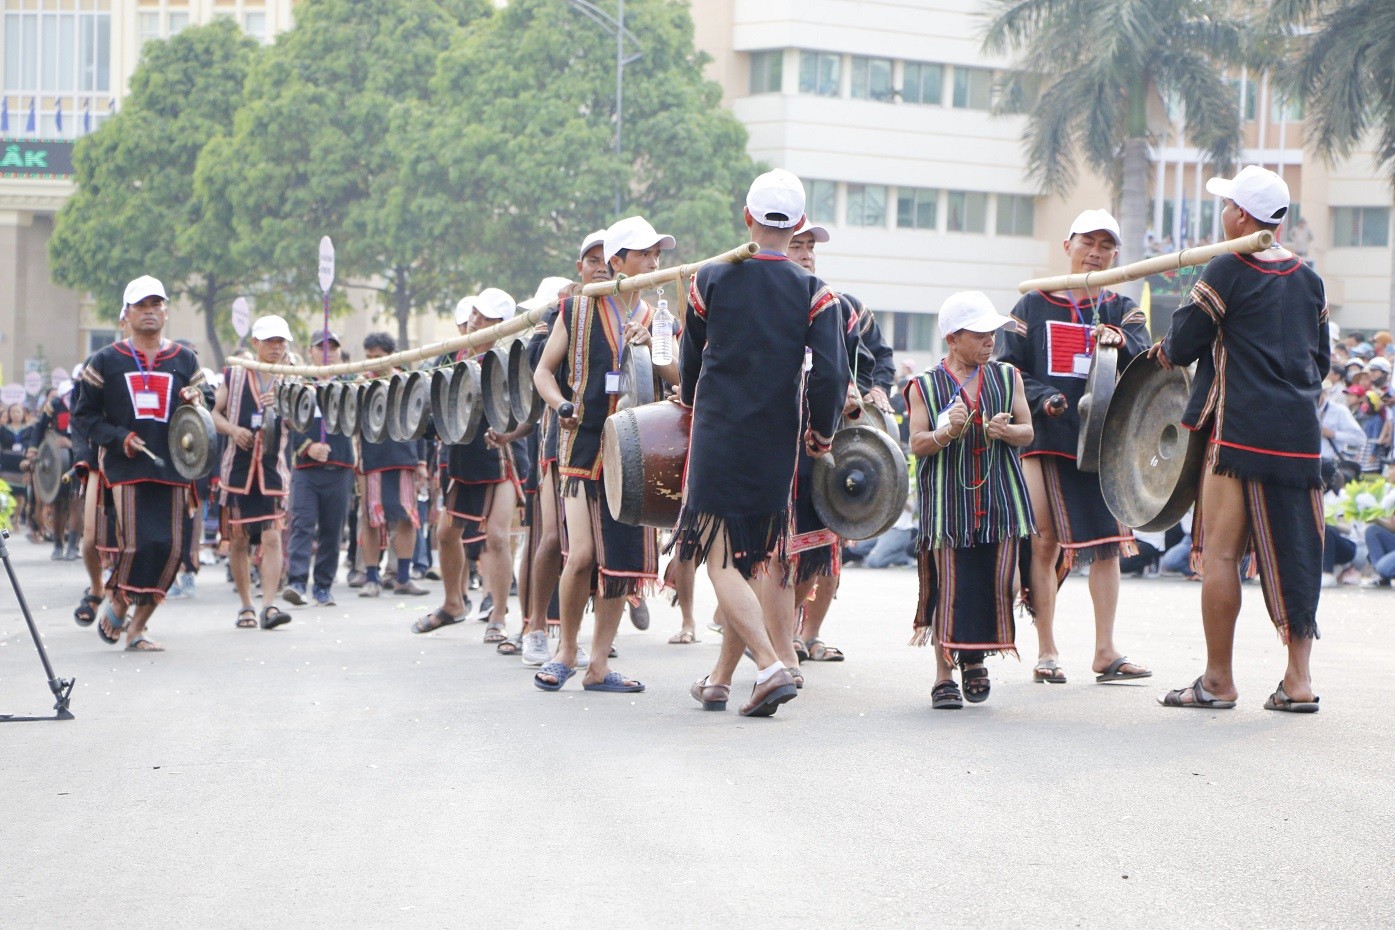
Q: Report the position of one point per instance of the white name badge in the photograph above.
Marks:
(257, 420)
(1082, 365)
(942, 420)
(147, 402)
(612, 382)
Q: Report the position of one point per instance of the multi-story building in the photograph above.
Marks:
(882, 106)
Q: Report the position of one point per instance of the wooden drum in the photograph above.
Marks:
(645, 450)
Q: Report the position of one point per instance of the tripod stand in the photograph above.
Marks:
(62, 688)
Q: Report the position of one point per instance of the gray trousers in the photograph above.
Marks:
(319, 503)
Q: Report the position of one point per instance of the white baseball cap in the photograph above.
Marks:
(776, 198)
(1378, 364)
(590, 242)
(634, 232)
(546, 293)
(820, 234)
(971, 310)
(1258, 191)
(271, 327)
(495, 304)
(463, 308)
(141, 288)
(65, 387)
(1095, 221)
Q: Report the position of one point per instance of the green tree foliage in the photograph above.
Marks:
(135, 208)
(517, 162)
(318, 149)
(1100, 64)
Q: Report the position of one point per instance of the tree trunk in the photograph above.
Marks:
(209, 301)
(1133, 208)
(402, 301)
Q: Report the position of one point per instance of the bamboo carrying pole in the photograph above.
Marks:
(1255, 242)
(523, 321)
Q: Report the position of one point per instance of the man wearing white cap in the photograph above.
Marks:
(254, 476)
(481, 490)
(579, 376)
(750, 328)
(1256, 327)
(1053, 343)
(969, 415)
(130, 390)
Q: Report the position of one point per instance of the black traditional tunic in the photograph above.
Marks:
(974, 509)
(254, 480)
(742, 359)
(874, 362)
(472, 471)
(1257, 330)
(1052, 345)
(127, 394)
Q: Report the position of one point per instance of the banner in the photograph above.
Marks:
(36, 158)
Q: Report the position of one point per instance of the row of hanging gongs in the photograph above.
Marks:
(497, 390)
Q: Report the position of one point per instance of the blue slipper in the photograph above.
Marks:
(617, 684)
(558, 670)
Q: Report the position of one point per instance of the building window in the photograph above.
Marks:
(819, 73)
(1016, 215)
(767, 68)
(866, 205)
(821, 201)
(913, 332)
(1244, 96)
(1360, 227)
(148, 26)
(967, 211)
(923, 83)
(1285, 111)
(178, 22)
(871, 78)
(973, 88)
(254, 24)
(917, 208)
(98, 339)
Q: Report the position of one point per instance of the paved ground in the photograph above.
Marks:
(341, 771)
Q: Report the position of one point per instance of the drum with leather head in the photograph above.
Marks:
(1150, 464)
(646, 450)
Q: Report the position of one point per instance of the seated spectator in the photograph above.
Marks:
(1380, 534)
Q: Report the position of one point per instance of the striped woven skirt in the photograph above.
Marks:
(965, 605)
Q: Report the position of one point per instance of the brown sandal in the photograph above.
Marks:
(819, 651)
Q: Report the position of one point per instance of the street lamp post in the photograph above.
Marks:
(615, 25)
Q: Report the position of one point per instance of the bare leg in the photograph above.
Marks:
(271, 564)
(1045, 551)
(728, 658)
(452, 554)
(1298, 678)
(496, 563)
(1227, 527)
(370, 546)
(547, 560)
(91, 558)
(739, 603)
(816, 608)
(684, 579)
(609, 610)
(575, 584)
(778, 605)
(240, 561)
(140, 616)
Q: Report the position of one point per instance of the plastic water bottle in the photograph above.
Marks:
(661, 348)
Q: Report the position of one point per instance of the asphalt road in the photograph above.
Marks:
(342, 771)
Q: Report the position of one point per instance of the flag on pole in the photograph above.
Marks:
(4, 114)
(31, 124)
(58, 116)
(86, 116)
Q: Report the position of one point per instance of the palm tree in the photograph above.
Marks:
(1101, 63)
(1345, 72)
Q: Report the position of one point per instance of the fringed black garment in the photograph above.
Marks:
(742, 358)
(254, 481)
(1257, 330)
(973, 511)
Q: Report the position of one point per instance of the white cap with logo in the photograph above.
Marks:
(820, 234)
(1258, 191)
(590, 242)
(141, 288)
(971, 310)
(634, 232)
(495, 304)
(271, 327)
(776, 198)
(1096, 221)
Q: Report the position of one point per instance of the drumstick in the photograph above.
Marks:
(153, 457)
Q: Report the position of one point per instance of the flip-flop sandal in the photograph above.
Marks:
(109, 619)
(1200, 698)
(511, 646)
(273, 616)
(615, 683)
(1048, 672)
(945, 696)
(558, 671)
(819, 651)
(247, 619)
(683, 638)
(801, 651)
(86, 612)
(1280, 700)
(1115, 673)
(494, 633)
(443, 619)
(976, 685)
(141, 644)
